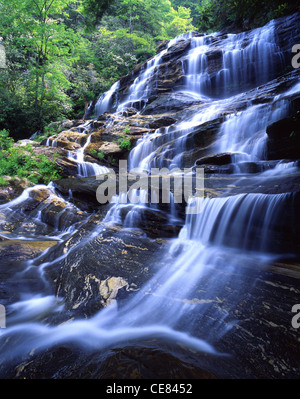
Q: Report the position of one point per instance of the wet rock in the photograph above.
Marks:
(144, 361)
(154, 222)
(177, 50)
(72, 137)
(65, 124)
(128, 112)
(112, 265)
(164, 121)
(115, 142)
(14, 188)
(40, 213)
(67, 166)
(50, 152)
(215, 159)
(199, 141)
(65, 144)
(284, 138)
(13, 251)
(171, 102)
(81, 191)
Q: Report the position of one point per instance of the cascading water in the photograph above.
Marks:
(248, 142)
(226, 232)
(140, 89)
(86, 169)
(105, 101)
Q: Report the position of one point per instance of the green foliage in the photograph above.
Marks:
(100, 155)
(5, 141)
(3, 182)
(62, 54)
(22, 162)
(124, 143)
(280, 10)
(94, 11)
(126, 130)
(215, 15)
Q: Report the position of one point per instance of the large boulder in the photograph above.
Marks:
(111, 266)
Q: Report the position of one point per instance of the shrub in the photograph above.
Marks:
(22, 162)
(5, 141)
(3, 182)
(124, 143)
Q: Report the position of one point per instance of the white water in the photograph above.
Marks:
(226, 233)
(32, 223)
(249, 127)
(86, 169)
(105, 101)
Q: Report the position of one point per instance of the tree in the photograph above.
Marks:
(94, 11)
(35, 27)
(62, 54)
(214, 15)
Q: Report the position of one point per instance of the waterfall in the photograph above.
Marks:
(105, 101)
(244, 134)
(86, 169)
(140, 90)
(229, 233)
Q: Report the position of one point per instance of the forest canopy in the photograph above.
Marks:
(62, 54)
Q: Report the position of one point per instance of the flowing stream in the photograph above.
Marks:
(227, 231)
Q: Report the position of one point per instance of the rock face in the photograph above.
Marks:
(153, 274)
(13, 189)
(15, 251)
(284, 138)
(116, 266)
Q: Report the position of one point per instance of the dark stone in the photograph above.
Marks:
(177, 50)
(171, 102)
(111, 266)
(67, 166)
(164, 121)
(143, 361)
(215, 159)
(13, 251)
(284, 138)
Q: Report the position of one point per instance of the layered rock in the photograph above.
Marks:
(284, 138)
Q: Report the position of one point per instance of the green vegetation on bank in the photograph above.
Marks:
(21, 161)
